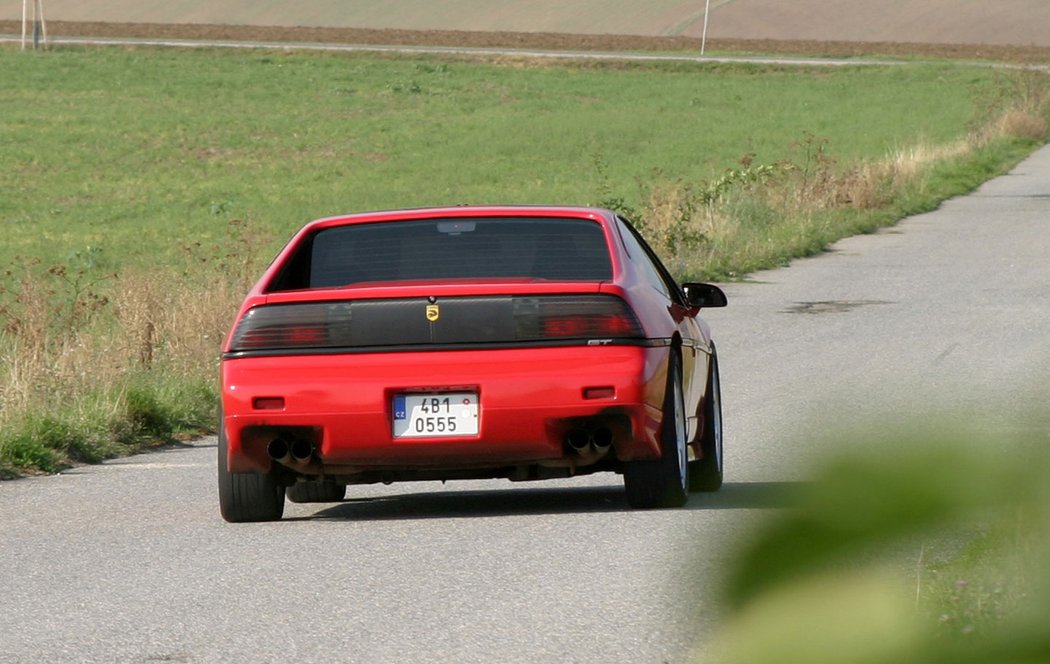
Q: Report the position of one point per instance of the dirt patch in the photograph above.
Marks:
(538, 40)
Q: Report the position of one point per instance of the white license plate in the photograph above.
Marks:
(435, 415)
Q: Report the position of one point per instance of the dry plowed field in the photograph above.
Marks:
(535, 40)
(1011, 22)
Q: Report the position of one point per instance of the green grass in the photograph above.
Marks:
(132, 153)
(142, 190)
(117, 419)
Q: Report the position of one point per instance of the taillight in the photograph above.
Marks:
(290, 327)
(564, 327)
(576, 317)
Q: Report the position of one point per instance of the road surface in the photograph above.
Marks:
(129, 561)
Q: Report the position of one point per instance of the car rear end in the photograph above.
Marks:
(443, 344)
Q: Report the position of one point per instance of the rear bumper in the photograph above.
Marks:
(528, 400)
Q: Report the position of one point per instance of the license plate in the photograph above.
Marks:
(435, 415)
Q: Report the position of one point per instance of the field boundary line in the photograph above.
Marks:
(462, 50)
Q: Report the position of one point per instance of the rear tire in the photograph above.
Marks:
(662, 482)
(705, 473)
(246, 497)
(316, 491)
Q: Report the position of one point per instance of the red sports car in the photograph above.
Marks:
(467, 342)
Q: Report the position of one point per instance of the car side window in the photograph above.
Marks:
(651, 267)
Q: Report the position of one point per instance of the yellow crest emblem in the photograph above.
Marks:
(433, 312)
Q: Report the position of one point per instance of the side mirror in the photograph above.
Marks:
(704, 295)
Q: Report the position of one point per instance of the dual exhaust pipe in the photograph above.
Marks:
(583, 441)
(289, 451)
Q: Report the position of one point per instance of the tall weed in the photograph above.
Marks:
(92, 369)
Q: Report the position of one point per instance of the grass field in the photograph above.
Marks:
(144, 189)
(113, 145)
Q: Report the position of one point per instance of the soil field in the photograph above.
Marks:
(540, 40)
(1016, 22)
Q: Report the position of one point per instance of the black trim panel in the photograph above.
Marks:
(430, 348)
(432, 321)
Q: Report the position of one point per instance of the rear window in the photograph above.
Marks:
(532, 248)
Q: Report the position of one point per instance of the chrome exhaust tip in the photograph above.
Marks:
(601, 439)
(279, 450)
(577, 440)
(302, 451)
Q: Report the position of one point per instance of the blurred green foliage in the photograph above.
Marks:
(927, 547)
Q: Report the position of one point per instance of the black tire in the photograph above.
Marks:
(316, 491)
(663, 482)
(246, 497)
(705, 473)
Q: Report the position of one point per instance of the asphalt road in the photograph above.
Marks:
(130, 562)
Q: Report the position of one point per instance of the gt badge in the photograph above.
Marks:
(433, 312)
